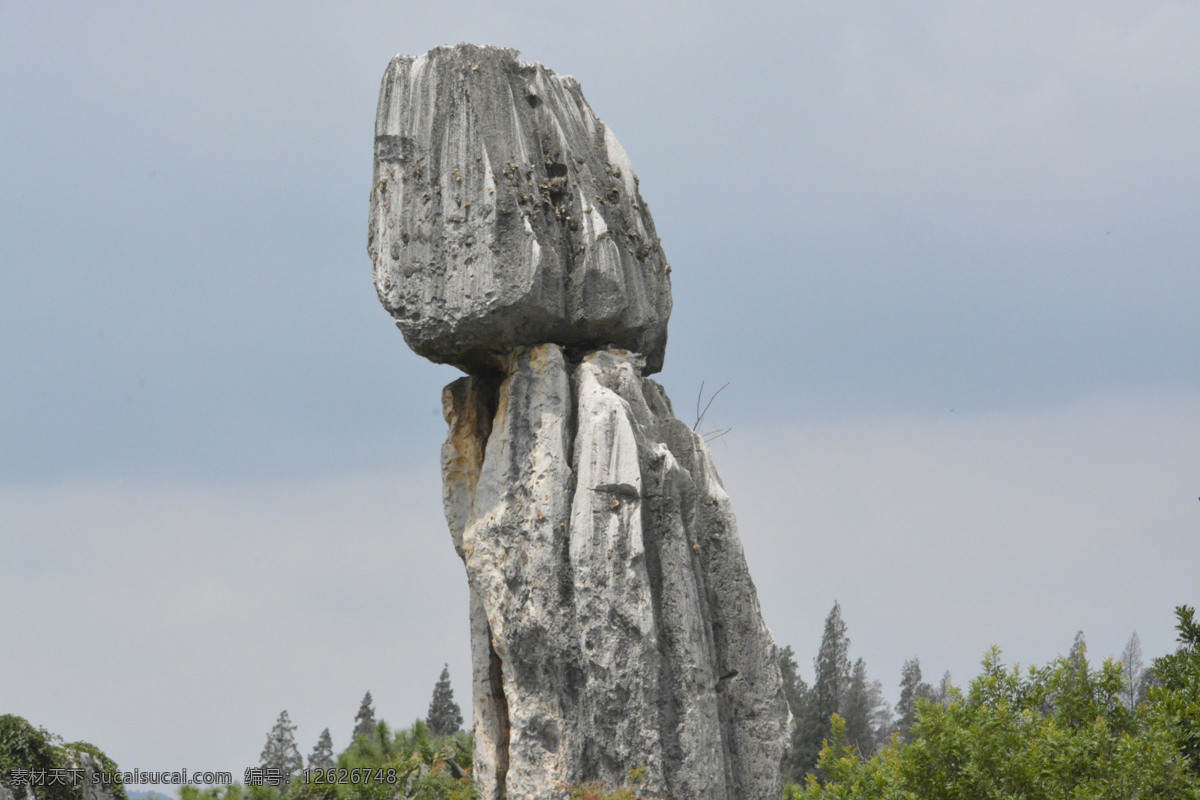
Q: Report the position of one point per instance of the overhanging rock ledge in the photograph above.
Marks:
(505, 213)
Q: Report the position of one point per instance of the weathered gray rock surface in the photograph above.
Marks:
(505, 213)
(614, 622)
(614, 625)
(96, 785)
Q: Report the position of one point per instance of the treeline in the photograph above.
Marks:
(1068, 729)
(432, 759)
(870, 723)
(842, 687)
(1065, 730)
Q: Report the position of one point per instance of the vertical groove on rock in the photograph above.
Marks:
(500, 703)
(469, 405)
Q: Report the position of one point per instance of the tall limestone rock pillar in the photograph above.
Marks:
(614, 624)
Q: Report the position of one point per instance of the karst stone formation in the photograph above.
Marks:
(614, 625)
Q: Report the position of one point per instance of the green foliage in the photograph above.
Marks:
(831, 669)
(1057, 732)
(868, 717)
(832, 665)
(310, 790)
(838, 688)
(100, 761)
(911, 688)
(28, 749)
(409, 765)
(846, 774)
(412, 764)
(1177, 694)
(231, 792)
(24, 747)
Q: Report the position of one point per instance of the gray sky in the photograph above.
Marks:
(946, 256)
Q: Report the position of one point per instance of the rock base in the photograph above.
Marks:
(614, 625)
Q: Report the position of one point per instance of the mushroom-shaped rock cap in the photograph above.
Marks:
(505, 214)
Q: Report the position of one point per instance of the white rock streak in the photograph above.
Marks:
(615, 625)
(446, 220)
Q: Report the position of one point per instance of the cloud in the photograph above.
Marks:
(943, 536)
(171, 623)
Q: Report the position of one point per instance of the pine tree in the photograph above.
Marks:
(857, 708)
(911, 688)
(445, 717)
(322, 755)
(882, 722)
(364, 721)
(868, 717)
(798, 698)
(794, 687)
(832, 665)
(280, 752)
(1133, 670)
(831, 682)
(1072, 694)
(941, 694)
